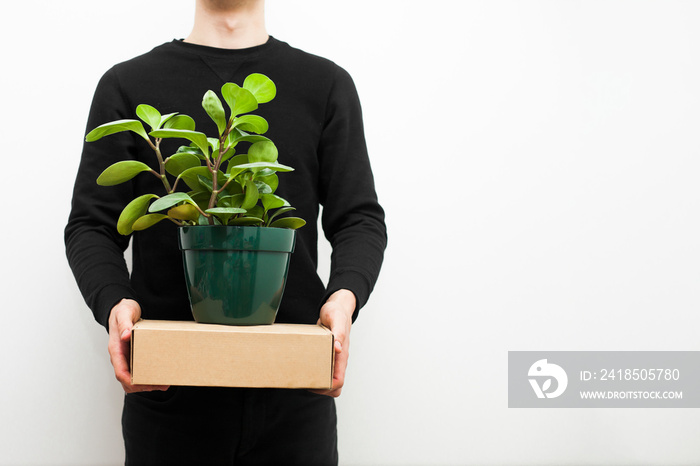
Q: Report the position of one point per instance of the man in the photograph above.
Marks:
(316, 123)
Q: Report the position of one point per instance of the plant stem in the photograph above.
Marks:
(214, 187)
(161, 163)
(215, 169)
(210, 217)
(214, 184)
(226, 184)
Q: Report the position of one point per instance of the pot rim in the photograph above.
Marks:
(236, 238)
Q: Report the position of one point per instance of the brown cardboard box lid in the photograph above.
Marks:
(272, 356)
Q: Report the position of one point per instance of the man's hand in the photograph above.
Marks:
(336, 314)
(122, 318)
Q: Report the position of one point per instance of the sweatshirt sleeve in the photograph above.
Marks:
(352, 219)
(94, 248)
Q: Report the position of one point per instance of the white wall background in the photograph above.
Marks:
(538, 162)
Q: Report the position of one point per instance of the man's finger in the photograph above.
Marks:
(128, 388)
(341, 364)
(338, 329)
(125, 321)
(118, 359)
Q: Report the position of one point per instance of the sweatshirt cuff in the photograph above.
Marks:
(349, 280)
(107, 298)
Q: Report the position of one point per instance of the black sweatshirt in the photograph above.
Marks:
(315, 122)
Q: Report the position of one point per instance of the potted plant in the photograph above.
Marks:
(236, 243)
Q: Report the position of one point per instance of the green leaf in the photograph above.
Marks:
(233, 188)
(232, 136)
(147, 221)
(237, 160)
(272, 181)
(169, 201)
(263, 188)
(238, 99)
(191, 150)
(228, 154)
(199, 139)
(251, 195)
(261, 87)
(236, 136)
(165, 118)
(133, 210)
(233, 200)
(149, 114)
(191, 177)
(280, 211)
(214, 145)
(184, 212)
(234, 171)
(273, 201)
(224, 213)
(179, 162)
(245, 221)
(257, 211)
(120, 172)
(252, 138)
(237, 170)
(180, 122)
(207, 182)
(288, 222)
(252, 123)
(225, 210)
(200, 197)
(264, 151)
(116, 127)
(212, 105)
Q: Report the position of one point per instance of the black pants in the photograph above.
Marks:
(231, 426)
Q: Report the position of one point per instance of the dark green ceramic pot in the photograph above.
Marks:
(236, 275)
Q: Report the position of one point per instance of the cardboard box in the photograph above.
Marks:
(272, 356)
